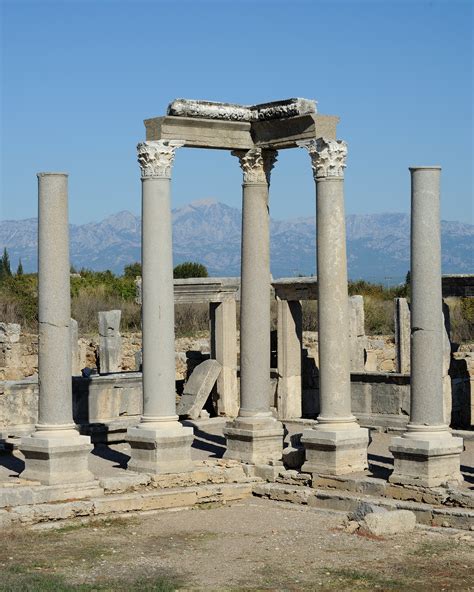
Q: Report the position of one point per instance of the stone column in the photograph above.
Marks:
(255, 436)
(55, 452)
(426, 454)
(337, 444)
(75, 352)
(110, 341)
(224, 349)
(402, 334)
(160, 444)
(357, 338)
(290, 339)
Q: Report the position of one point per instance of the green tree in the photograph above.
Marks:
(19, 269)
(5, 269)
(190, 269)
(132, 270)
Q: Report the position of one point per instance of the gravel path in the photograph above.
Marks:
(251, 545)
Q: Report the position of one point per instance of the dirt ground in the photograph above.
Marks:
(251, 545)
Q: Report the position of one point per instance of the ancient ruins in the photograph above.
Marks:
(272, 449)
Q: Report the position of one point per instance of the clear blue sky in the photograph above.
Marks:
(79, 77)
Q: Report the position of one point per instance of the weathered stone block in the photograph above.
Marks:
(335, 452)
(198, 388)
(254, 440)
(387, 523)
(110, 341)
(428, 462)
(160, 450)
(56, 459)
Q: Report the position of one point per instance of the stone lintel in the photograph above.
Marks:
(305, 288)
(201, 133)
(274, 134)
(285, 133)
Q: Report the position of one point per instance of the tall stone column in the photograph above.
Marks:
(55, 452)
(255, 436)
(337, 444)
(426, 454)
(160, 444)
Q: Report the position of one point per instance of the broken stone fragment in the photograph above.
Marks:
(387, 523)
(233, 112)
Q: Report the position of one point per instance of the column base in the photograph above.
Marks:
(159, 450)
(333, 451)
(55, 459)
(254, 440)
(426, 459)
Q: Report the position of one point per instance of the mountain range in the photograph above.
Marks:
(207, 231)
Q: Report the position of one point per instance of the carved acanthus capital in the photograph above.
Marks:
(256, 164)
(156, 158)
(328, 157)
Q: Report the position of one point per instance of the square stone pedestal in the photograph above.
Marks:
(335, 452)
(254, 440)
(428, 462)
(57, 459)
(160, 450)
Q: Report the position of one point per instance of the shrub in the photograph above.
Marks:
(189, 269)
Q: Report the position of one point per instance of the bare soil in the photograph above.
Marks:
(251, 545)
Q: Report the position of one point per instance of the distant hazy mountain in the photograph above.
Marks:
(209, 232)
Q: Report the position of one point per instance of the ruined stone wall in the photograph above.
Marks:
(24, 362)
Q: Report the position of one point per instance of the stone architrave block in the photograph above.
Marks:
(198, 388)
(110, 341)
(357, 338)
(75, 353)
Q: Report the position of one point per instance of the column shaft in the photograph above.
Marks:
(54, 304)
(255, 303)
(426, 359)
(333, 312)
(159, 393)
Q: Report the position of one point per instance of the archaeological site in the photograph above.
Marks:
(270, 426)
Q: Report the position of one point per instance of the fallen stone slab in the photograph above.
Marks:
(198, 388)
(387, 523)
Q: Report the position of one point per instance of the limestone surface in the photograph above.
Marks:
(198, 388)
(387, 523)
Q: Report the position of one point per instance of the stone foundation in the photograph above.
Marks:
(335, 452)
(156, 450)
(428, 462)
(255, 441)
(56, 460)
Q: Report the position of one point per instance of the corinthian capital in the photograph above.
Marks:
(156, 158)
(256, 164)
(328, 157)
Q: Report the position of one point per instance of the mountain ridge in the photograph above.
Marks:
(208, 231)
